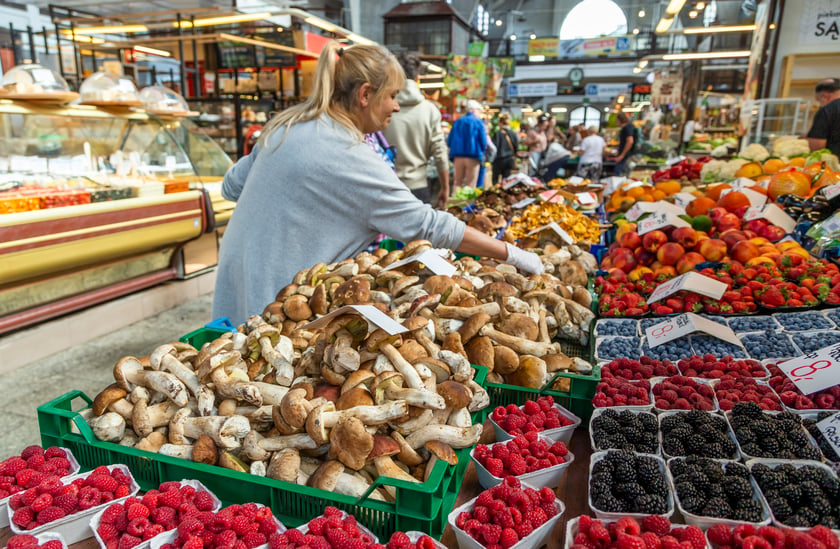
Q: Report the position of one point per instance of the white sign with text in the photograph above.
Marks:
(685, 324)
(430, 260)
(369, 312)
(566, 237)
(660, 220)
(692, 282)
(830, 428)
(815, 371)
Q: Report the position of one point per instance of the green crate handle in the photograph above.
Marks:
(72, 414)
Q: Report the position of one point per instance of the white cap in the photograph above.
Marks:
(473, 105)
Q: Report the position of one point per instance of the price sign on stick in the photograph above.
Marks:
(691, 281)
(369, 312)
(524, 202)
(815, 371)
(830, 428)
(684, 324)
(430, 260)
(660, 220)
(566, 237)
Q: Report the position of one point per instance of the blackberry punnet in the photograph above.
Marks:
(625, 430)
(697, 433)
(637, 484)
(800, 496)
(705, 487)
(764, 435)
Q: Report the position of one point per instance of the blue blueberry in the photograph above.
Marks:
(834, 315)
(618, 347)
(622, 327)
(769, 345)
(804, 321)
(743, 324)
(809, 342)
(704, 344)
(673, 350)
(648, 322)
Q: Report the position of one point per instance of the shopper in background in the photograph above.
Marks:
(313, 191)
(556, 156)
(415, 131)
(574, 138)
(536, 140)
(507, 143)
(626, 144)
(467, 142)
(825, 130)
(591, 156)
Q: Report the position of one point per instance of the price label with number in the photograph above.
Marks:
(830, 428)
(669, 330)
(815, 371)
(430, 260)
(660, 220)
(831, 191)
(683, 199)
(691, 281)
(566, 237)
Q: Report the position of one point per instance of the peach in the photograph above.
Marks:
(713, 249)
(627, 227)
(669, 253)
(689, 261)
(728, 221)
(716, 213)
(732, 237)
(617, 274)
(625, 260)
(636, 274)
(630, 239)
(653, 240)
(744, 250)
(666, 270)
(685, 237)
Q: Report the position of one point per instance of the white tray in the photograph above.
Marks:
(76, 527)
(4, 503)
(572, 531)
(304, 528)
(48, 536)
(707, 522)
(414, 536)
(171, 535)
(745, 456)
(596, 412)
(537, 538)
(605, 515)
(729, 432)
(560, 434)
(637, 407)
(94, 521)
(549, 476)
(760, 382)
(766, 363)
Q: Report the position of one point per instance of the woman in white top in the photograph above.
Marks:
(592, 155)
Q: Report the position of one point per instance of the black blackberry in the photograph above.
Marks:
(669, 423)
(736, 470)
(770, 446)
(747, 409)
(624, 472)
(763, 429)
(830, 521)
(693, 505)
(752, 449)
(673, 447)
(599, 487)
(744, 435)
(809, 515)
(810, 473)
(628, 491)
(821, 506)
(715, 491)
(810, 490)
(695, 444)
(650, 505)
(715, 450)
(760, 469)
(658, 487)
(748, 514)
(738, 488)
(686, 490)
(609, 503)
(831, 489)
(601, 467)
(771, 480)
(678, 467)
(798, 438)
(648, 422)
(795, 520)
(780, 507)
(648, 444)
(809, 452)
(717, 507)
(792, 494)
(606, 423)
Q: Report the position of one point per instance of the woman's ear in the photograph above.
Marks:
(365, 94)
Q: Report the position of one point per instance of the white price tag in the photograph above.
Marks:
(587, 199)
(815, 371)
(691, 281)
(778, 217)
(754, 212)
(632, 184)
(575, 180)
(756, 199)
(830, 428)
(675, 160)
(831, 191)
(170, 162)
(518, 178)
(660, 220)
(742, 183)
(524, 202)
(430, 260)
(684, 324)
(566, 237)
(369, 312)
(683, 199)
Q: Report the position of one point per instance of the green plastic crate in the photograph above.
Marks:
(390, 244)
(197, 338)
(422, 507)
(581, 390)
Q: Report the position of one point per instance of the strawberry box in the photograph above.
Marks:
(656, 525)
(170, 538)
(538, 537)
(793, 399)
(568, 420)
(730, 390)
(76, 526)
(550, 475)
(414, 537)
(74, 468)
(194, 484)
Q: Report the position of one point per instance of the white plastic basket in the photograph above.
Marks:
(537, 538)
(606, 515)
(760, 383)
(414, 536)
(700, 381)
(560, 434)
(572, 531)
(707, 522)
(549, 476)
(76, 527)
(48, 536)
(636, 407)
(199, 487)
(805, 411)
(304, 528)
(599, 411)
(171, 535)
(729, 432)
(745, 456)
(599, 340)
(4, 503)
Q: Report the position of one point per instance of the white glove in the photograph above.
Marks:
(527, 262)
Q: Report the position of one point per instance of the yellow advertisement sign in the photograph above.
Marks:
(547, 47)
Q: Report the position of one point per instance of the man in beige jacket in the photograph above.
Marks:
(415, 131)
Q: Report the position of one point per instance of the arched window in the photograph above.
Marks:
(588, 116)
(593, 18)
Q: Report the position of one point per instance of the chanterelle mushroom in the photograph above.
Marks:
(128, 372)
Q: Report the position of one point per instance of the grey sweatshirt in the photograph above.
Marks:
(416, 133)
(321, 196)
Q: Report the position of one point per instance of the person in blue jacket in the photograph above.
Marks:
(467, 142)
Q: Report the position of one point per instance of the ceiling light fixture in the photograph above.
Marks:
(664, 24)
(498, 22)
(89, 39)
(533, 36)
(693, 13)
(706, 55)
(513, 37)
(674, 7)
(700, 6)
(635, 31)
(223, 20)
(642, 13)
(712, 30)
(152, 51)
(109, 29)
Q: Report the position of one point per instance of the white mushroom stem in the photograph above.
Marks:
(409, 372)
(447, 434)
(183, 451)
(122, 407)
(226, 431)
(229, 387)
(422, 398)
(382, 364)
(442, 326)
(543, 325)
(258, 448)
(459, 418)
(280, 357)
(271, 393)
(518, 344)
(385, 467)
(480, 398)
(463, 313)
(260, 415)
(369, 415)
(162, 382)
(168, 363)
(414, 424)
(347, 483)
(109, 427)
(258, 468)
(459, 366)
(426, 342)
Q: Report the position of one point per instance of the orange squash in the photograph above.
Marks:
(699, 206)
(733, 201)
(789, 182)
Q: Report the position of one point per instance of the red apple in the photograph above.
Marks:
(755, 225)
(630, 239)
(643, 256)
(689, 261)
(685, 237)
(653, 240)
(732, 237)
(773, 233)
(625, 260)
(728, 221)
(744, 251)
(669, 253)
(716, 213)
(713, 249)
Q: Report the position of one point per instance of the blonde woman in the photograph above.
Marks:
(313, 191)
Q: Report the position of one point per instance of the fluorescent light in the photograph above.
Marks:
(711, 30)
(536, 58)
(498, 22)
(642, 13)
(664, 24)
(637, 70)
(153, 51)
(700, 6)
(706, 55)
(772, 26)
(635, 31)
(513, 37)
(110, 29)
(533, 36)
(693, 13)
(321, 23)
(674, 7)
(430, 85)
(224, 20)
(643, 63)
(89, 39)
(559, 109)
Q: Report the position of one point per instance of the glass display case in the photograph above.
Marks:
(766, 119)
(96, 203)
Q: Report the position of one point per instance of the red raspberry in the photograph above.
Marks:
(169, 498)
(531, 408)
(758, 542)
(107, 532)
(203, 501)
(495, 467)
(670, 542)
(55, 452)
(41, 502)
(22, 540)
(278, 541)
(121, 491)
(524, 529)
(517, 466)
(137, 527)
(36, 461)
(240, 525)
(190, 527)
(150, 499)
(599, 533)
(254, 540)
(399, 540)
(30, 451)
(152, 530)
(490, 533)
(823, 534)
(651, 540)
(88, 497)
(508, 538)
(137, 510)
(721, 534)
(112, 513)
(694, 535)
(500, 451)
(23, 516)
(128, 542)
(67, 502)
(627, 541)
(536, 517)
(482, 514)
(103, 483)
(50, 514)
(659, 525)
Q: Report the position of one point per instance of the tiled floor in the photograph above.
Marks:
(166, 313)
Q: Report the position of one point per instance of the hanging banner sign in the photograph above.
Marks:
(820, 22)
(546, 47)
(666, 88)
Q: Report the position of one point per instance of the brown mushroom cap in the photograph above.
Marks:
(531, 372)
(318, 303)
(351, 443)
(438, 367)
(415, 323)
(452, 342)
(293, 407)
(122, 366)
(108, 396)
(491, 291)
(480, 351)
(383, 446)
(297, 308)
(326, 475)
(438, 284)
(353, 292)
(403, 284)
(327, 392)
(380, 337)
(505, 360)
(391, 257)
(454, 394)
(315, 427)
(357, 396)
(357, 378)
(205, 451)
(557, 362)
(415, 247)
(519, 325)
(463, 283)
(469, 329)
(411, 350)
(287, 291)
(442, 451)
